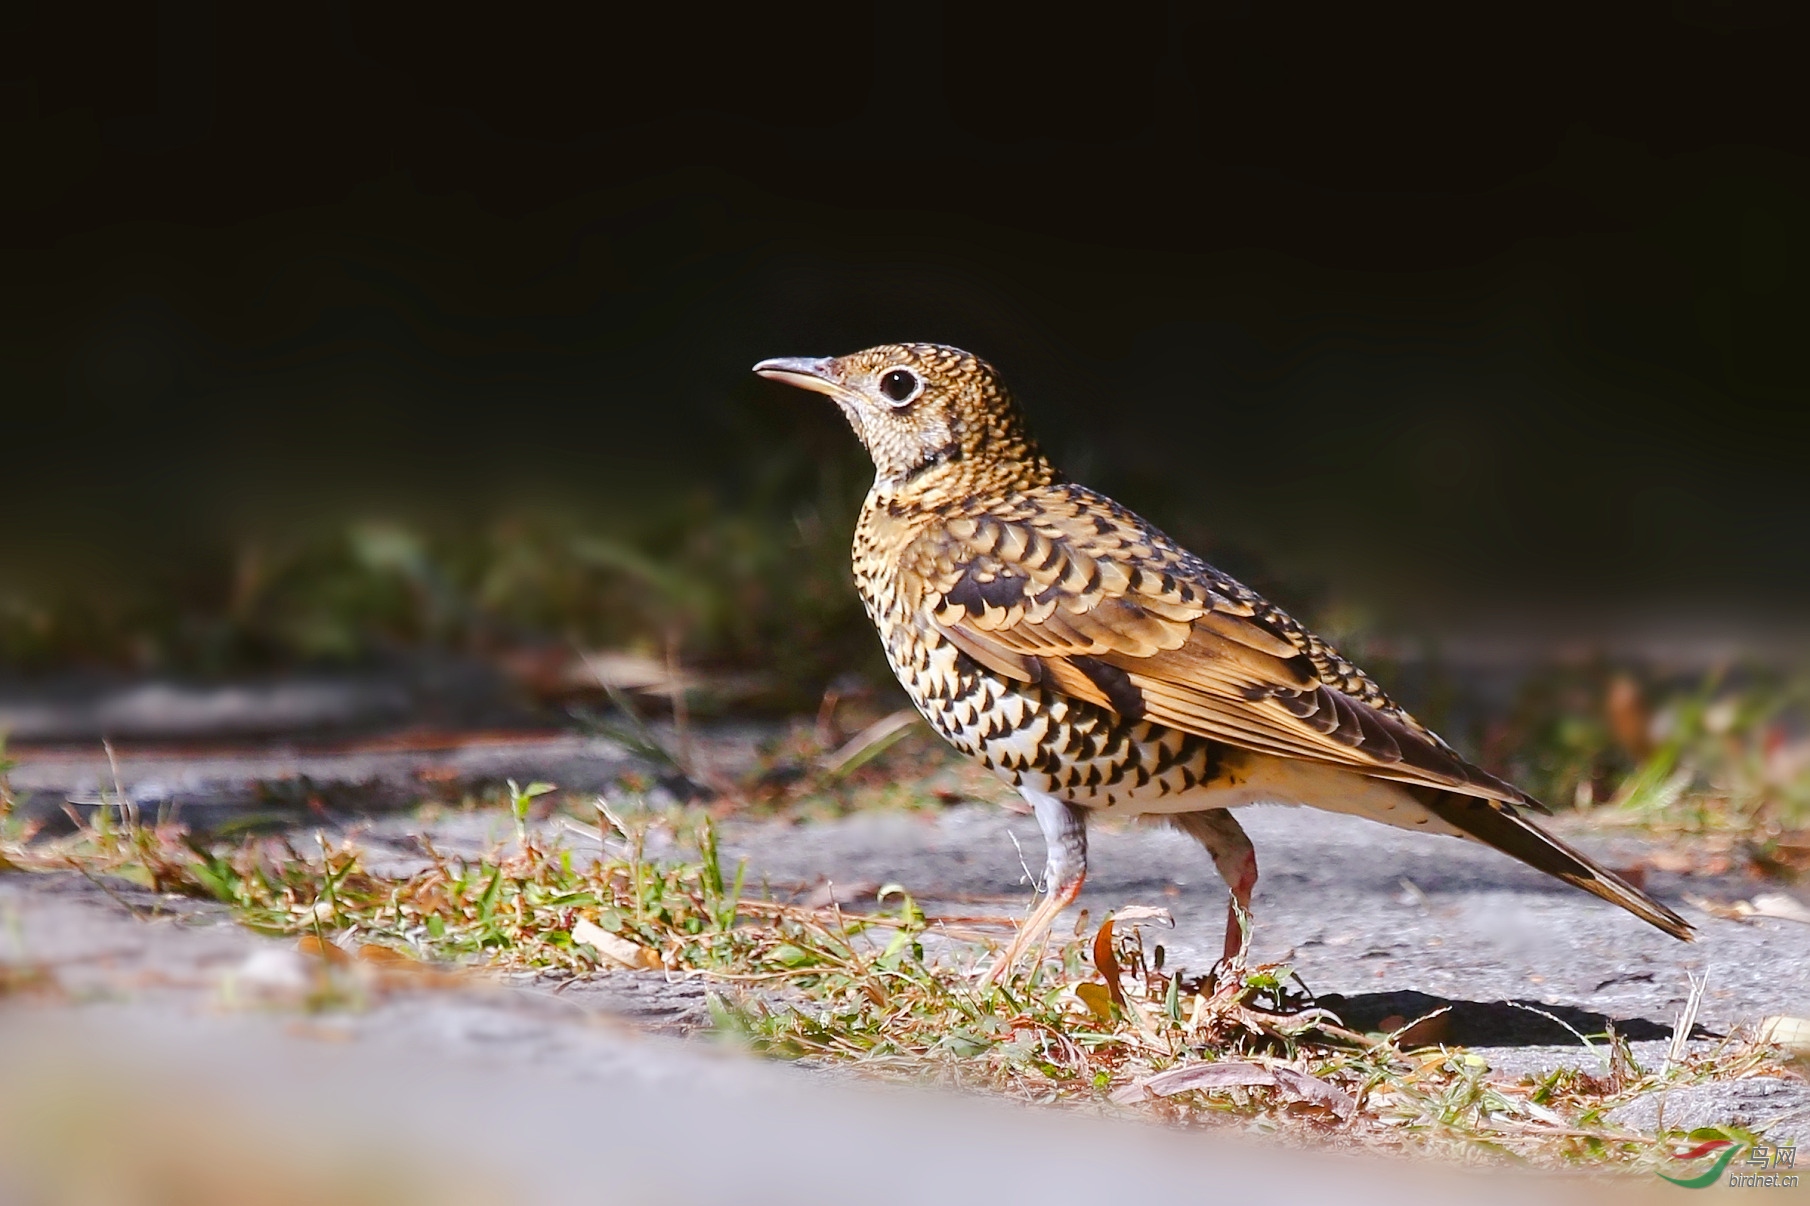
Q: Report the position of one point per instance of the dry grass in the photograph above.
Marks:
(1099, 1020)
(1726, 752)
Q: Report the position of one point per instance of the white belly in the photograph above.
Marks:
(1264, 779)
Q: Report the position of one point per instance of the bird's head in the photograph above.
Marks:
(917, 406)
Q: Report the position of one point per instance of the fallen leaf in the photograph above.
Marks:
(1775, 905)
(1738, 911)
(613, 948)
(1303, 1087)
(1142, 914)
(1097, 1000)
(1791, 1033)
(383, 955)
(1630, 719)
(1220, 1075)
(394, 969)
(310, 944)
(1293, 1083)
(1793, 853)
(24, 978)
(1107, 962)
(1634, 873)
(1781, 906)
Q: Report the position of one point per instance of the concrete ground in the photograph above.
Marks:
(119, 1002)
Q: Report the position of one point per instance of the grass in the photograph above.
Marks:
(1099, 1021)
(719, 583)
(1728, 746)
(726, 580)
(1722, 759)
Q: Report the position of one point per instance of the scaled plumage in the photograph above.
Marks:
(1094, 663)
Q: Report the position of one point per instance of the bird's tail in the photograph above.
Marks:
(1497, 824)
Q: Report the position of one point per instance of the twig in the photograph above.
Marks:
(1590, 1046)
(1401, 1030)
(128, 809)
(1034, 881)
(1681, 1035)
(869, 743)
(1687, 1021)
(119, 900)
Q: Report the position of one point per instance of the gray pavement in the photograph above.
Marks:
(158, 1060)
(1379, 923)
(592, 1087)
(1357, 908)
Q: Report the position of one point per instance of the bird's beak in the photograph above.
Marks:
(815, 373)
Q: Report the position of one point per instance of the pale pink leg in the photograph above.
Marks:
(1065, 831)
(1236, 861)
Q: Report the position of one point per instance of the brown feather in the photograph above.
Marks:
(1214, 673)
(1080, 653)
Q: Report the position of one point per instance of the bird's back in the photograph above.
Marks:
(1050, 583)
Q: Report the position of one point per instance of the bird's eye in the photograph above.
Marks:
(901, 386)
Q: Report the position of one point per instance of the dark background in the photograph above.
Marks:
(1475, 317)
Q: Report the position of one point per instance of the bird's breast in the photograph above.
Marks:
(1033, 736)
(1029, 734)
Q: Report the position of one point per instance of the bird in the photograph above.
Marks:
(1097, 666)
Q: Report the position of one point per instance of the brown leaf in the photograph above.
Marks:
(1107, 962)
(383, 956)
(1629, 718)
(26, 978)
(310, 944)
(1634, 873)
(1097, 1000)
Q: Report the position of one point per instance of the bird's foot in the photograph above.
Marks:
(1035, 928)
(1238, 941)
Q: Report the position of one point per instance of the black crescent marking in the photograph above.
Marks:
(975, 594)
(1127, 700)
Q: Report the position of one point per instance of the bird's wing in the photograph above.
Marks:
(1066, 588)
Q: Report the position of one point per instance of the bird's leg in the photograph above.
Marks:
(1064, 828)
(1236, 862)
